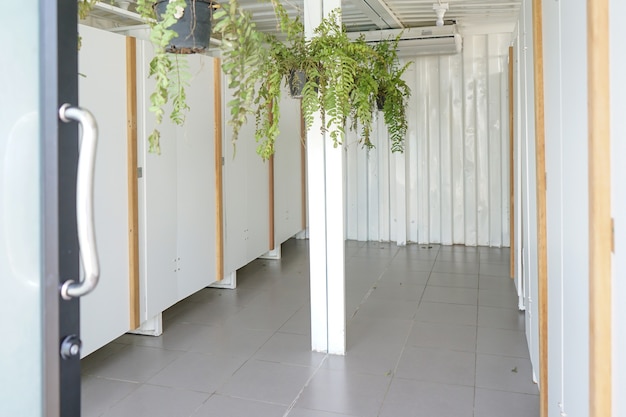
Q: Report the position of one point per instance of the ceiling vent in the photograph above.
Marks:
(431, 40)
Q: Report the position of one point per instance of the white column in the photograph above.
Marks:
(325, 176)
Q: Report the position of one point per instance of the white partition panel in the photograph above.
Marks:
(157, 200)
(454, 187)
(196, 182)
(246, 198)
(528, 202)
(288, 172)
(176, 192)
(105, 313)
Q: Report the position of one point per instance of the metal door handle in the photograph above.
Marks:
(84, 202)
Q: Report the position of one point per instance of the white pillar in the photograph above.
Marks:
(325, 176)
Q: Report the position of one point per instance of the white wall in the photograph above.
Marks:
(451, 185)
(618, 197)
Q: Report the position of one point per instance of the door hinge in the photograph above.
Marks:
(139, 172)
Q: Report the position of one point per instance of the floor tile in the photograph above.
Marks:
(154, 401)
(221, 406)
(446, 313)
(459, 248)
(269, 317)
(405, 276)
(198, 372)
(458, 256)
(289, 348)
(455, 267)
(395, 290)
(499, 270)
(374, 358)
(443, 279)
(413, 265)
(503, 342)
(453, 295)
(437, 365)
(502, 283)
(415, 255)
(344, 393)
(363, 331)
(500, 403)
(501, 318)
(134, 364)
(208, 314)
(230, 340)
(267, 381)
(497, 298)
(495, 256)
(302, 412)
(505, 373)
(177, 336)
(409, 398)
(413, 348)
(102, 354)
(299, 323)
(443, 335)
(384, 309)
(99, 394)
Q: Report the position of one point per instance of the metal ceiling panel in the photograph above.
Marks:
(363, 15)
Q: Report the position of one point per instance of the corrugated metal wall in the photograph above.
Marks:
(451, 185)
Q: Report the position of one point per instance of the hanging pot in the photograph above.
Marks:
(296, 80)
(193, 28)
(380, 101)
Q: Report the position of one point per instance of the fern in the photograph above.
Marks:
(169, 70)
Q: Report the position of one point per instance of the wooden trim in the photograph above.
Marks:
(600, 232)
(133, 198)
(303, 166)
(271, 192)
(219, 195)
(511, 163)
(542, 253)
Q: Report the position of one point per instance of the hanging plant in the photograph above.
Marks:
(169, 69)
(341, 78)
(336, 74)
(393, 91)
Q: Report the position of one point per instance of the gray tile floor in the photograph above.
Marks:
(432, 332)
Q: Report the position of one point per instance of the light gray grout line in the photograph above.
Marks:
(306, 384)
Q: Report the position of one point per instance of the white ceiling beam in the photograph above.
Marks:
(380, 14)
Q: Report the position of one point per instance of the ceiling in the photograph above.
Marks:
(364, 15)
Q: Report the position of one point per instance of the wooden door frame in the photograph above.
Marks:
(511, 164)
(540, 156)
(219, 165)
(133, 193)
(600, 223)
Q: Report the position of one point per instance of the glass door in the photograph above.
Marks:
(39, 235)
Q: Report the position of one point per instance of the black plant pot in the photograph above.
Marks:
(296, 80)
(380, 101)
(193, 28)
